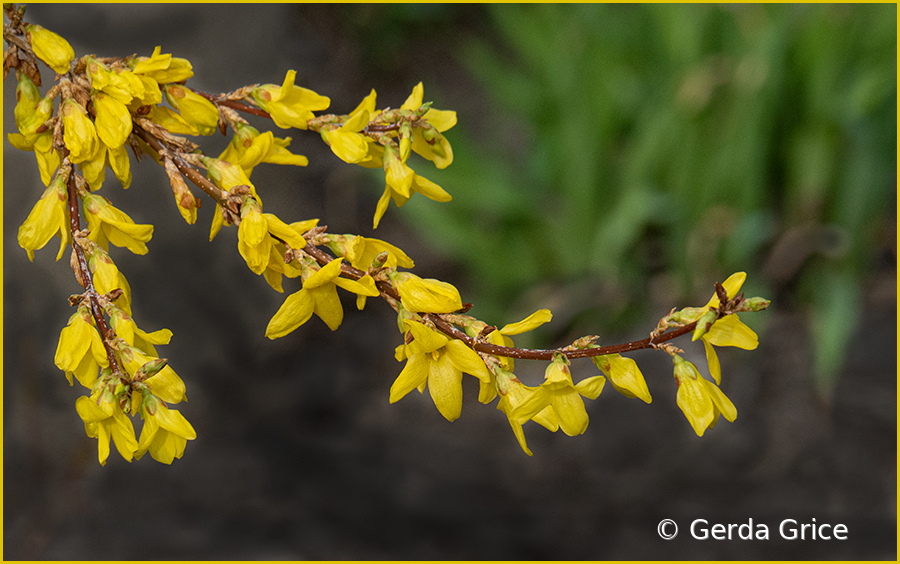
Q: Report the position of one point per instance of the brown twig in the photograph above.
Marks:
(184, 167)
(91, 294)
(220, 100)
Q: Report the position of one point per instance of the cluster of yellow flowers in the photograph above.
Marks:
(110, 104)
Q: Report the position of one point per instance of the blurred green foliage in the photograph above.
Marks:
(633, 147)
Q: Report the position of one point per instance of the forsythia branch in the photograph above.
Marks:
(109, 103)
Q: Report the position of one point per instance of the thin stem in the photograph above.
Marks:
(183, 166)
(447, 328)
(91, 294)
(234, 104)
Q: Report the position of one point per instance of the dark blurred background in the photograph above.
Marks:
(611, 162)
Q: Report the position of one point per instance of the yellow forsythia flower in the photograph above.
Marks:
(107, 278)
(701, 401)
(79, 133)
(437, 362)
(401, 183)
(515, 394)
(318, 295)
(363, 250)
(31, 110)
(276, 267)
(113, 120)
(50, 48)
(171, 121)
(127, 330)
(165, 384)
(728, 331)
(254, 242)
(289, 105)
(226, 175)
(120, 163)
(624, 375)
(104, 421)
(195, 109)
(428, 142)
(346, 141)
(163, 68)
(563, 395)
(80, 350)
(48, 217)
(426, 295)
(165, 433)
(121, 84)
(108, 224)
(248, 148)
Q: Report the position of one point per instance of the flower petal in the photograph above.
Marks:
(294, 312)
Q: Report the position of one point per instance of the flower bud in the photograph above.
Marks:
(150, 368)
(755, 304)
(687, 315)
(163, 68)
(79, 132)
(195, 109)
(426, 295)
(50, 48)
(558, 373)
(149, 402)
(113, 121)
(684, 370)
(703, 324)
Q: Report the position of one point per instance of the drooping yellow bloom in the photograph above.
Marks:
(346, 141)
(318, 295)
(427, 295)
(701, 401)
(113, 120)
(624, 375)
(165, 384)
(428, 142)
(48, 217)
(276, 267)
(515, 394)
(288, 104)
(31, 110)
(418, 184)
(563, 395)
(249, 148)
(79, 133)
(165, 434)
(438, 363)
(363, 250)
(163, 68)
(104, 421)
(107, 224)
(729, 331)
(226, 175)
(171, 121)
(121, 84)
(195, 109)
(120, 163)
(80, 350)
(94, 169)
(108, 278)
(255, 242)
(50, 48)
(127, 330)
